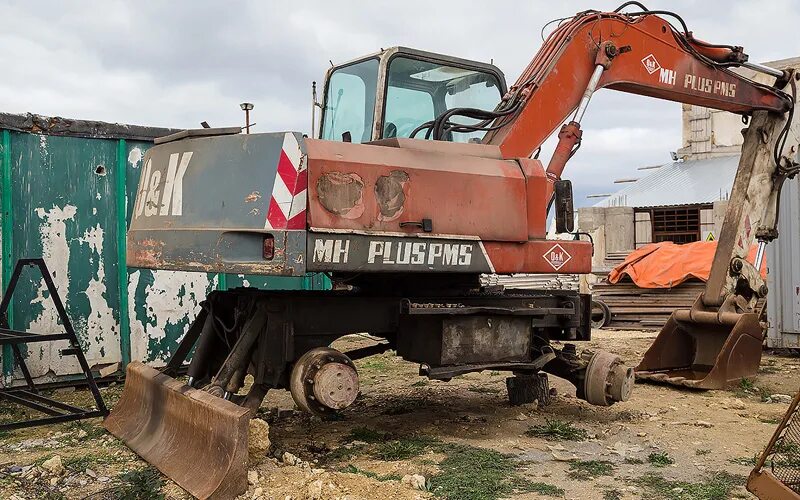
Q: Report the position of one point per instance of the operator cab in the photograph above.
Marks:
(391, 93)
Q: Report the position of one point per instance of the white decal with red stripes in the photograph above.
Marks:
(287, 206)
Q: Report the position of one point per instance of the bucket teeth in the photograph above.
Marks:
(197, 440)
(665, 378)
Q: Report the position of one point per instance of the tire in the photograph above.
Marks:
(601, 314)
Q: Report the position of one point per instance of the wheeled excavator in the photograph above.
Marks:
(424, 175)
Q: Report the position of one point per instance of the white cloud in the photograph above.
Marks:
(627, 140)
(177, 63)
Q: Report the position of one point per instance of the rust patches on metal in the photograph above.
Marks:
(342, 194)
(145, 253)
(254, 196)
(391, 193)
(54, 125)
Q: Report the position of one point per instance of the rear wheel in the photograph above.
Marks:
(324, 381)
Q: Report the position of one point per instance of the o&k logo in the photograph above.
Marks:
(163, 198)
(557, 257)
(665, 76)
(651, 64)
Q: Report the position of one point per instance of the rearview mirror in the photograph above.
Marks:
(565, 222)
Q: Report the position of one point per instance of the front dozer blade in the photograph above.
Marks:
(196, 439)
(702, 349)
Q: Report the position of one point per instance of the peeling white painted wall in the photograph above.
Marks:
(135, 157)
(103, 342)
(172, 298)
(55, 251)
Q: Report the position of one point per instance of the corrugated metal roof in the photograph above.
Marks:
(679, 183)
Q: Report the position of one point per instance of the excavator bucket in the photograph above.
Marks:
(196, 439)
(703, 349)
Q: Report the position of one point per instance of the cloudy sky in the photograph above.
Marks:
(177, 63)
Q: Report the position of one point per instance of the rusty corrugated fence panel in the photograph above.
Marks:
(5, 235)
(783, 273)
(63, 207)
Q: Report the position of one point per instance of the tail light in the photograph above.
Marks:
(269, 247)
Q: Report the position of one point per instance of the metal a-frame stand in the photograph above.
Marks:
(29, 395)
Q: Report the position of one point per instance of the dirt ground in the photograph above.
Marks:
(407, 438)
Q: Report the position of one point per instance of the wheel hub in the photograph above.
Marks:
(607, 379)
(323, 381)
(336, 385)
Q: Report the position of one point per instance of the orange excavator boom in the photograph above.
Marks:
(640, 53)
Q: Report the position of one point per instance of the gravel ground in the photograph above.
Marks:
(407, 438)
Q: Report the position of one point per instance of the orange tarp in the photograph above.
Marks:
(665, 265)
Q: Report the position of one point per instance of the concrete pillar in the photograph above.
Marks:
(592, 220)
(620, 233)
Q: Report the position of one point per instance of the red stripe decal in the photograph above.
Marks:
(287, 172)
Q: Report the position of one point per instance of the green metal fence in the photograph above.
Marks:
(67, 191)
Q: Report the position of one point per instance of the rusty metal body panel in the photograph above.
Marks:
(218, 250)
(349, 252)
(369, 187)
(373, 251)
(213, 203)
(207, 204)
(540, 256)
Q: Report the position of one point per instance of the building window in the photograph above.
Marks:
(676, 224)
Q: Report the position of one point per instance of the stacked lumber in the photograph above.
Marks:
(618, 257)
(534, 281)
(644, 308)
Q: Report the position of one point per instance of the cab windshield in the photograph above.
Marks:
(419, 91)
(416, 91)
